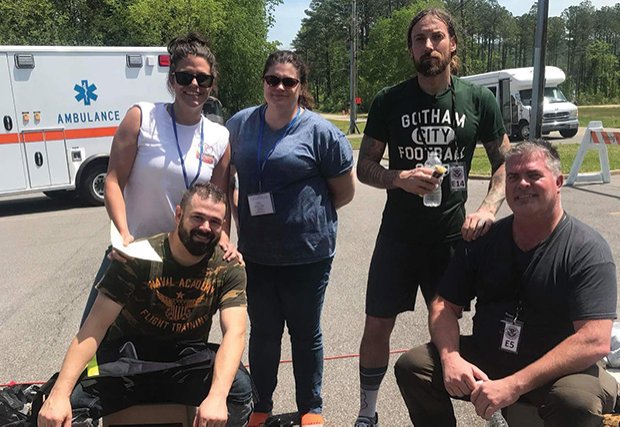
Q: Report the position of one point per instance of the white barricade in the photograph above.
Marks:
(595, 138)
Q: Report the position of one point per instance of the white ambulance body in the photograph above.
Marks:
(513, 91)
(60, 108)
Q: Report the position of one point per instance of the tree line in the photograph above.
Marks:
(582, 41)
(237, 30)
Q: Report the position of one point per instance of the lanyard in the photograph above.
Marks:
(452, 120)
(176, 137)
(261, 163)
(522, 276)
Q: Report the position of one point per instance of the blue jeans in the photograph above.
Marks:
(92, 296)
(293, 295)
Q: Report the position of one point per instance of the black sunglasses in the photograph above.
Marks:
(287, 82)
(185, 79)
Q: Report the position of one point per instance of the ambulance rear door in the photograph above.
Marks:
(12, 165)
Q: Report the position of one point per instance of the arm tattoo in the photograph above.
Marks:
(496, 151)
(369, 169)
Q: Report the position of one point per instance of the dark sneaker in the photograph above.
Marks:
(367, 422)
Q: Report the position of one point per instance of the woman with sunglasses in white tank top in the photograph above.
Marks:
(161, 149)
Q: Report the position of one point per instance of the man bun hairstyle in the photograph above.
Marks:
(446, 18)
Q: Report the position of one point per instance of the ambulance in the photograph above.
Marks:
(513, 90)
(60, 108)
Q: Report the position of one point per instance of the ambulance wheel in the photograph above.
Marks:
(568, 133)
(91, 186)
(524, 131)
(61, 195)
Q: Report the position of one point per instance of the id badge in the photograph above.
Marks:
(458, 181)
(261, 204)
(511, 335)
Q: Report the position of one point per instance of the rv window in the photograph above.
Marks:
(552, 95)
(493, 90)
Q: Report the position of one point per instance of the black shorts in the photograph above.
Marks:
(398, 268)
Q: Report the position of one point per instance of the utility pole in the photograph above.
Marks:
(538, 89)
(353, 73)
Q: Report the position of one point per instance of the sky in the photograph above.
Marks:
(290, 13)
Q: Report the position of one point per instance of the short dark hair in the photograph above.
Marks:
(446, 18)
(192, 43)
(552, 157)
(204, 191)
(289, 57)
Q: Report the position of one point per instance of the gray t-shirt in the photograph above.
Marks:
(570, 276)
(297, 165)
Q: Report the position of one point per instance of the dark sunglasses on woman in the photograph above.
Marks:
(185, 79)
(287, 82)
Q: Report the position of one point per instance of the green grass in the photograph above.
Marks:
(343, 125)
(610, 116)
(480, 164)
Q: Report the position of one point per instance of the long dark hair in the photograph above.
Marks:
(446, 18)
(288, 57)
(195, 44)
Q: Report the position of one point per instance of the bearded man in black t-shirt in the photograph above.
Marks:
(433, 113)
(545, 291)
(146, 336)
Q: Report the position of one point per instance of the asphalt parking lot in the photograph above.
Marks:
(52, 250)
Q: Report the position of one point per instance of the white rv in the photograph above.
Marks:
(60, 107)
(513, 91)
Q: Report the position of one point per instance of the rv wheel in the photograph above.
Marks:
(524, 130)
(91, 186)
(568, 133)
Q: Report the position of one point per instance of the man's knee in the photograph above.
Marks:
(242, 389)
(378, 328)
(415, 367)
(574, 404)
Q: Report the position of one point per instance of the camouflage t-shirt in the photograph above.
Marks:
(168, 301)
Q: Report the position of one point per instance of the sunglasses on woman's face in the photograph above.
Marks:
(287, 82)
(185, 79)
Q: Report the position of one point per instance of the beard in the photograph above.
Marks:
(430, 66)
(197, 247)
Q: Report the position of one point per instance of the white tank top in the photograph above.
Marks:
(156, 183)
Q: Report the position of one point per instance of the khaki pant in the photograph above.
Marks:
(577, 400)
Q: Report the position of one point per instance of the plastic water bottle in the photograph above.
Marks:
(497, 420)
(433, 199)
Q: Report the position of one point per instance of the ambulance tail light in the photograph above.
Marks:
(164, 60)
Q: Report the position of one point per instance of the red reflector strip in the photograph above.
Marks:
(56, 135)
(9, 138)
(90, 133)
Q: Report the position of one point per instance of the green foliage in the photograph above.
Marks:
(386, 60)
(32, 22)
(480, 164)
(584, 42)
(610, 116)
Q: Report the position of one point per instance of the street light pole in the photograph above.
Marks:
(353, 73)
(538, 89)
